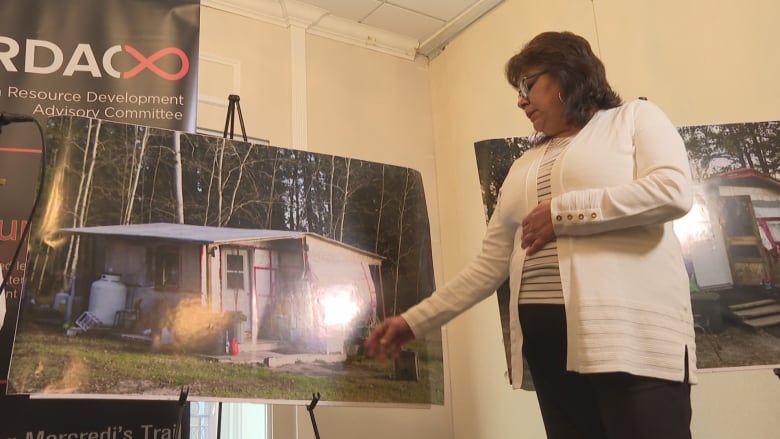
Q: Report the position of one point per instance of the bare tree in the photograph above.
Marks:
(139, 165)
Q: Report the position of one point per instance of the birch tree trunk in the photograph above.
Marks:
(379, 213)
(136, 177)
(346, 200)
(178, 179)
(82, 199)
(400, 241)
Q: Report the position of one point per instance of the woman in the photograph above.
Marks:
(583, 230)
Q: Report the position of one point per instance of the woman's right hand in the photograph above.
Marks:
(388, 336)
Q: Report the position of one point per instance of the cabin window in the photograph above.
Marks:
(738, 216)
(165, 266)
(235, 272)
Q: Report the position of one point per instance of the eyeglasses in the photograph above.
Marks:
(524, 87)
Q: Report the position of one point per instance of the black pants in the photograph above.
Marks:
(602, 405)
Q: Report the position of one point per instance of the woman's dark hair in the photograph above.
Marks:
(569, 58)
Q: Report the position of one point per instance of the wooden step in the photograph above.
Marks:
(757, 314)
(745, 305)
(759, 311)
(763, 322)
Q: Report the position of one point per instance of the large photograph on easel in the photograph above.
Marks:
(249, 272)
(730, 238)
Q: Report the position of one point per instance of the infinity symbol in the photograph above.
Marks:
(148, 63)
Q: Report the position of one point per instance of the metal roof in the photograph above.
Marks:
(187, 232)
(202, 234)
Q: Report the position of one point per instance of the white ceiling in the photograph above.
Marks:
(403, 27)
(418, 19)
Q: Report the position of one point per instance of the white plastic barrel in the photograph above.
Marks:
(107, 295)
(61, 301)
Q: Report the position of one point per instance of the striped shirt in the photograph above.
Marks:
(541, 280)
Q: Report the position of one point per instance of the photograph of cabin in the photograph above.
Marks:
(731, 238)
(217, 289)
(248, 267)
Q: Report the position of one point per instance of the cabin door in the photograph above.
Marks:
(707, 248)
(236, 287)
(749, 262)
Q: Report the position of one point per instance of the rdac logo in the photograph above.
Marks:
(83, 60)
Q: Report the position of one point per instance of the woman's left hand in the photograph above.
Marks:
(537, 228)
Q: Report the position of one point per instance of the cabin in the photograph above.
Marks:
(206, 288)
(731, 236)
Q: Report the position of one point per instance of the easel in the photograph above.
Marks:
(310, 407)
(182, 405)
(234, 106)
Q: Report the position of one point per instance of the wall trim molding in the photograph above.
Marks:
(235, 68)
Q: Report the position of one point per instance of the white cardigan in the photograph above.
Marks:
(615, 190)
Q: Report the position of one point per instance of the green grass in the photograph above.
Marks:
(46, 361)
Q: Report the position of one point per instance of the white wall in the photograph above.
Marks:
(240, 56)
(702, 61)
